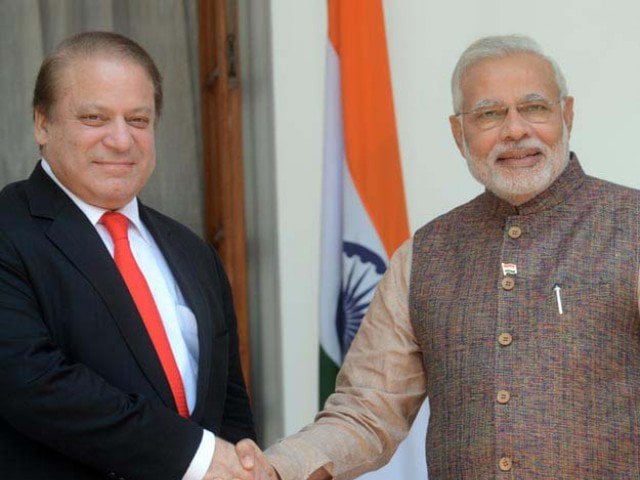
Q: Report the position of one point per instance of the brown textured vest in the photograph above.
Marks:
(518, 390)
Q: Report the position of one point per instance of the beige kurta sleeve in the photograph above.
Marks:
(379, 391)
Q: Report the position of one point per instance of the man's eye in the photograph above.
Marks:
(139, 122)
(534, 108)
(92, 119)
(488, 114)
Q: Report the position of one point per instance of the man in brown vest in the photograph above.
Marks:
(516, 314)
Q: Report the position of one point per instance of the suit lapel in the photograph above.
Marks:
(70, 231)
(180, 262)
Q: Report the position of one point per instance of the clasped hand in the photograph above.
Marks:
(245, 461)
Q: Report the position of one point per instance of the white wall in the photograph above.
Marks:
(298, 36)
(596, 43)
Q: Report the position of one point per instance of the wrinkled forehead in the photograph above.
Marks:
(81, 73)
(509, 79)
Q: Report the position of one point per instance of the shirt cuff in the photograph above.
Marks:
(202, 459)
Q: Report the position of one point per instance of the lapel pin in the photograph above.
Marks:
(556, 288)
(509, 269)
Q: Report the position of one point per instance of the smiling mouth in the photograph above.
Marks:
(519, 158)
(114, 164)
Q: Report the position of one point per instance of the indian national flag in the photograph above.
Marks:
(364, 217)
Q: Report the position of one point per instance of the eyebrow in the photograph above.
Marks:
(146, 110)
(486, 103)
(103, 108)
(532, 97)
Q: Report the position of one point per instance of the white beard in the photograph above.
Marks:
(514, 185)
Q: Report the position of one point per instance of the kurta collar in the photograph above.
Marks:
(560, 190)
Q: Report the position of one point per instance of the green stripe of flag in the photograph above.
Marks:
(328, 374)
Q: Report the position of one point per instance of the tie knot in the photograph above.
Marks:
(116, 224)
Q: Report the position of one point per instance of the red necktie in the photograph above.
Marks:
(117, 225)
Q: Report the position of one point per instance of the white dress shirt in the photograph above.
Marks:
(177, 318)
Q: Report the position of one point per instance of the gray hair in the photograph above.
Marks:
(496, 47)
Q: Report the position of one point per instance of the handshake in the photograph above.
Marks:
(245, 461)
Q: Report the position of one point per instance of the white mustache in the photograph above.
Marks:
(527, 143)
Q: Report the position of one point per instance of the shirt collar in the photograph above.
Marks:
(93, 213)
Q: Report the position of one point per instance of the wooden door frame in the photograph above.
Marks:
(222, 151)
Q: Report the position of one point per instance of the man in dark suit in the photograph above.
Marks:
(118, 341)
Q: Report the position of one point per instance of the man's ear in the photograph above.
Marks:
(40, 126)
(567, 112)
(456, 130)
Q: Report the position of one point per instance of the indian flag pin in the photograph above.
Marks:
(509, 269)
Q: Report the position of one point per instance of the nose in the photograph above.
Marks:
(119, 137)
(514, 127)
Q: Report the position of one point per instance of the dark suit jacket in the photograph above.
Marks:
(82, 393)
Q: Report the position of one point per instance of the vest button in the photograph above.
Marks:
(508, 283)
(505, 464)
(515, 232)
(505, 339)
(503, 397)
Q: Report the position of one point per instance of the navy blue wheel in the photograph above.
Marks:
(362, 270)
